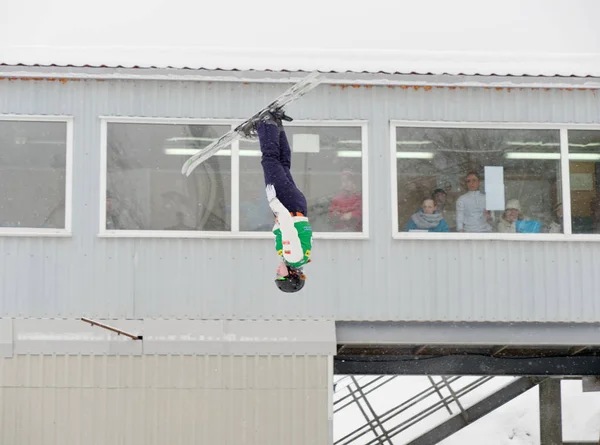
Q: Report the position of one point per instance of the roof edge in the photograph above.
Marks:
(53, 72)
(331, 60)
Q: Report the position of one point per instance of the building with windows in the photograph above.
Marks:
(97, 221)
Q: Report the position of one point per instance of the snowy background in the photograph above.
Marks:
(533, 36)
(515, 423)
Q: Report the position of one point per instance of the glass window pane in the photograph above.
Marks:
(33, 166)
(584, 170)
(518, 197)
(326, 167)
(145, 187)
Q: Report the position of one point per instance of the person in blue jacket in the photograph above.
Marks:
(427, 218)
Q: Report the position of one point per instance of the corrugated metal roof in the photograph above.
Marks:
(454, 63)
(408, 71)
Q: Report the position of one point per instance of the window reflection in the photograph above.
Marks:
(145, 187)
(520, 195)
(33, 174)
(584, 169)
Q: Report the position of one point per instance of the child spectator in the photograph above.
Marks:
(427, 218)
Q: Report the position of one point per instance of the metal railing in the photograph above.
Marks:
(382, 426)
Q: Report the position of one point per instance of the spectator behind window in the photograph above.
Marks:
(512, 213)
(556, 226)
(427, 218)
(439, 196)
(471, 215)
(345, 211)
(513, 221)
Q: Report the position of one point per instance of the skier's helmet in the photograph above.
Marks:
(293, 282)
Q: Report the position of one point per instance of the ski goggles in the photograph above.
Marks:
(282, 272)
(285, 272)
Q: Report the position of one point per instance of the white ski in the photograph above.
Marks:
(293, 93)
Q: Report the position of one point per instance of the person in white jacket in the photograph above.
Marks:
(471, 215)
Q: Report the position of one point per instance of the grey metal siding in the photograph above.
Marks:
(53, 399)
(375, 279)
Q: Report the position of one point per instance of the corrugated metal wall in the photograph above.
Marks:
(99, 400)
(375, 279)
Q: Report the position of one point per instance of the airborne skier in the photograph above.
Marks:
(293, 233)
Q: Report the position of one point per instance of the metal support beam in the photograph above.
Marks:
(420, 350)
(376, 418)
(455, 398)
(466, 365)
(550, 413)
(365, 415)
(439, 393)
(339, 404)
(498, 350)
(577, 350)
(407, 404)
(467, 333)
(582, 443)
(480, 409)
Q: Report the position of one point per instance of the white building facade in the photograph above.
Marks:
(98, 222)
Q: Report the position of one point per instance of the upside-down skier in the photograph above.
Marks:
(293, 233)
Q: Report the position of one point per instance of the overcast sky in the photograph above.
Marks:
(509, 26)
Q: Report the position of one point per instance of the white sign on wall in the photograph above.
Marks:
(305, 143)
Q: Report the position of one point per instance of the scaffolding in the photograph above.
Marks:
(445, 394)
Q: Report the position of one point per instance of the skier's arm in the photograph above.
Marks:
(292, 247)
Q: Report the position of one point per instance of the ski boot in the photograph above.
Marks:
(280, 115)
(248, 129)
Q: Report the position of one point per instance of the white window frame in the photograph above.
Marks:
(563, 129)
(235, 233)
(41, 231)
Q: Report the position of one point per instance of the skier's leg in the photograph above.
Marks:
(286, 155)
(286, 161)
(286, 152)
(274, 172)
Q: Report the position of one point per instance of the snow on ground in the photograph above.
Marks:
(515, 423)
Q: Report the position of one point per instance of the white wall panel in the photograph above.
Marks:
(375, 279)
(55, 336)
(238, 337)
(156, 400)
(6, 337)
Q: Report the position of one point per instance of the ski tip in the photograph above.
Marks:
(185, 170)
(315, 74)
